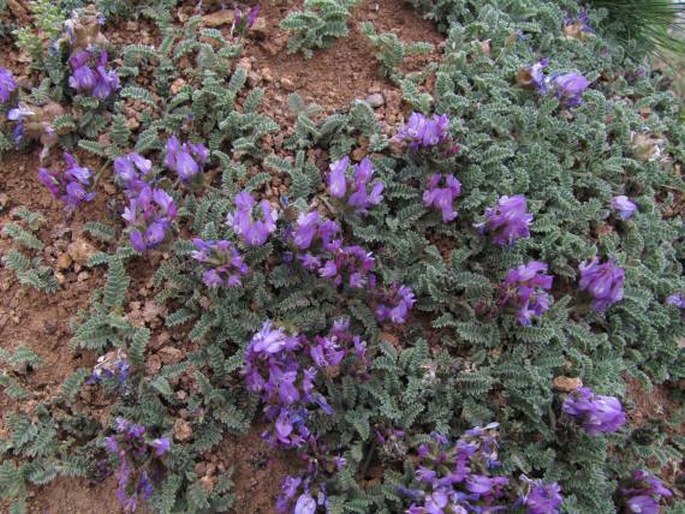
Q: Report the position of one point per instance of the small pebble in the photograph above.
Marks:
(375, 100)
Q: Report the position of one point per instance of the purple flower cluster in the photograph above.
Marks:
(396, 304)
(282, 368)
(423, 132)
(541, 498)
(254, 232)
(441, 193)
(241, 24)
(7, 84)
(226, 266)
(597, 414)
(569, 88)
(360, 198)
(135, 453)
(17, 115)
(321, 250)
(150, 214)
(131, 170)
(603, 282)
(71, 186)
(625, 207)
(185, 159)
(92, 77)
(508, 220)
(322, 464)
(112, 367)
(643, 492)
(304, 504)
(525, 288)
(457, 478)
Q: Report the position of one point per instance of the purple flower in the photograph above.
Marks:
(282, 368)
(643, 492)
(18, 114)
(569, 88)
(442, 197)
(111, 444)
(71, 186)
(396, 304)
(326, 255)
(150, 214)
(643, 505)
(305, 505)
(161, 445)
(252, 15)
(307, 226)
(130, 447)
(107, 81)
(361, 197)
(350, 265)
(254, 232)
(289, 489)
(7, 84)
(243, 24)
(185, 159)
(542, 498)
(597, 414)
(677, 300)
(92, 77)
(113, 365)
(145, 488)
(624, 206)
(337, 180)
(423, 132)
(82, 79)
(508, 220)
(131, 171)
(479, 484)
(603, 282)
(524, 289)
(455, 478)
(226, 264)
(325, 352)
(267, 340)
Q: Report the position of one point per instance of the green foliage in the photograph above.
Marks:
(116, 286)
(460, 360)
(390, 50)
(47, 20)
(318, 25)
(22, 237)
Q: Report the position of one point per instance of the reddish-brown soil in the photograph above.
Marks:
(333, 78)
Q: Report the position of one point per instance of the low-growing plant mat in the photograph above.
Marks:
(460, 350)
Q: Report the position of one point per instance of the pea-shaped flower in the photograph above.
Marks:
(602, 281)
(508, 220)
(597, 414)
(569, 88)
(7, 84)
(625, 207)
